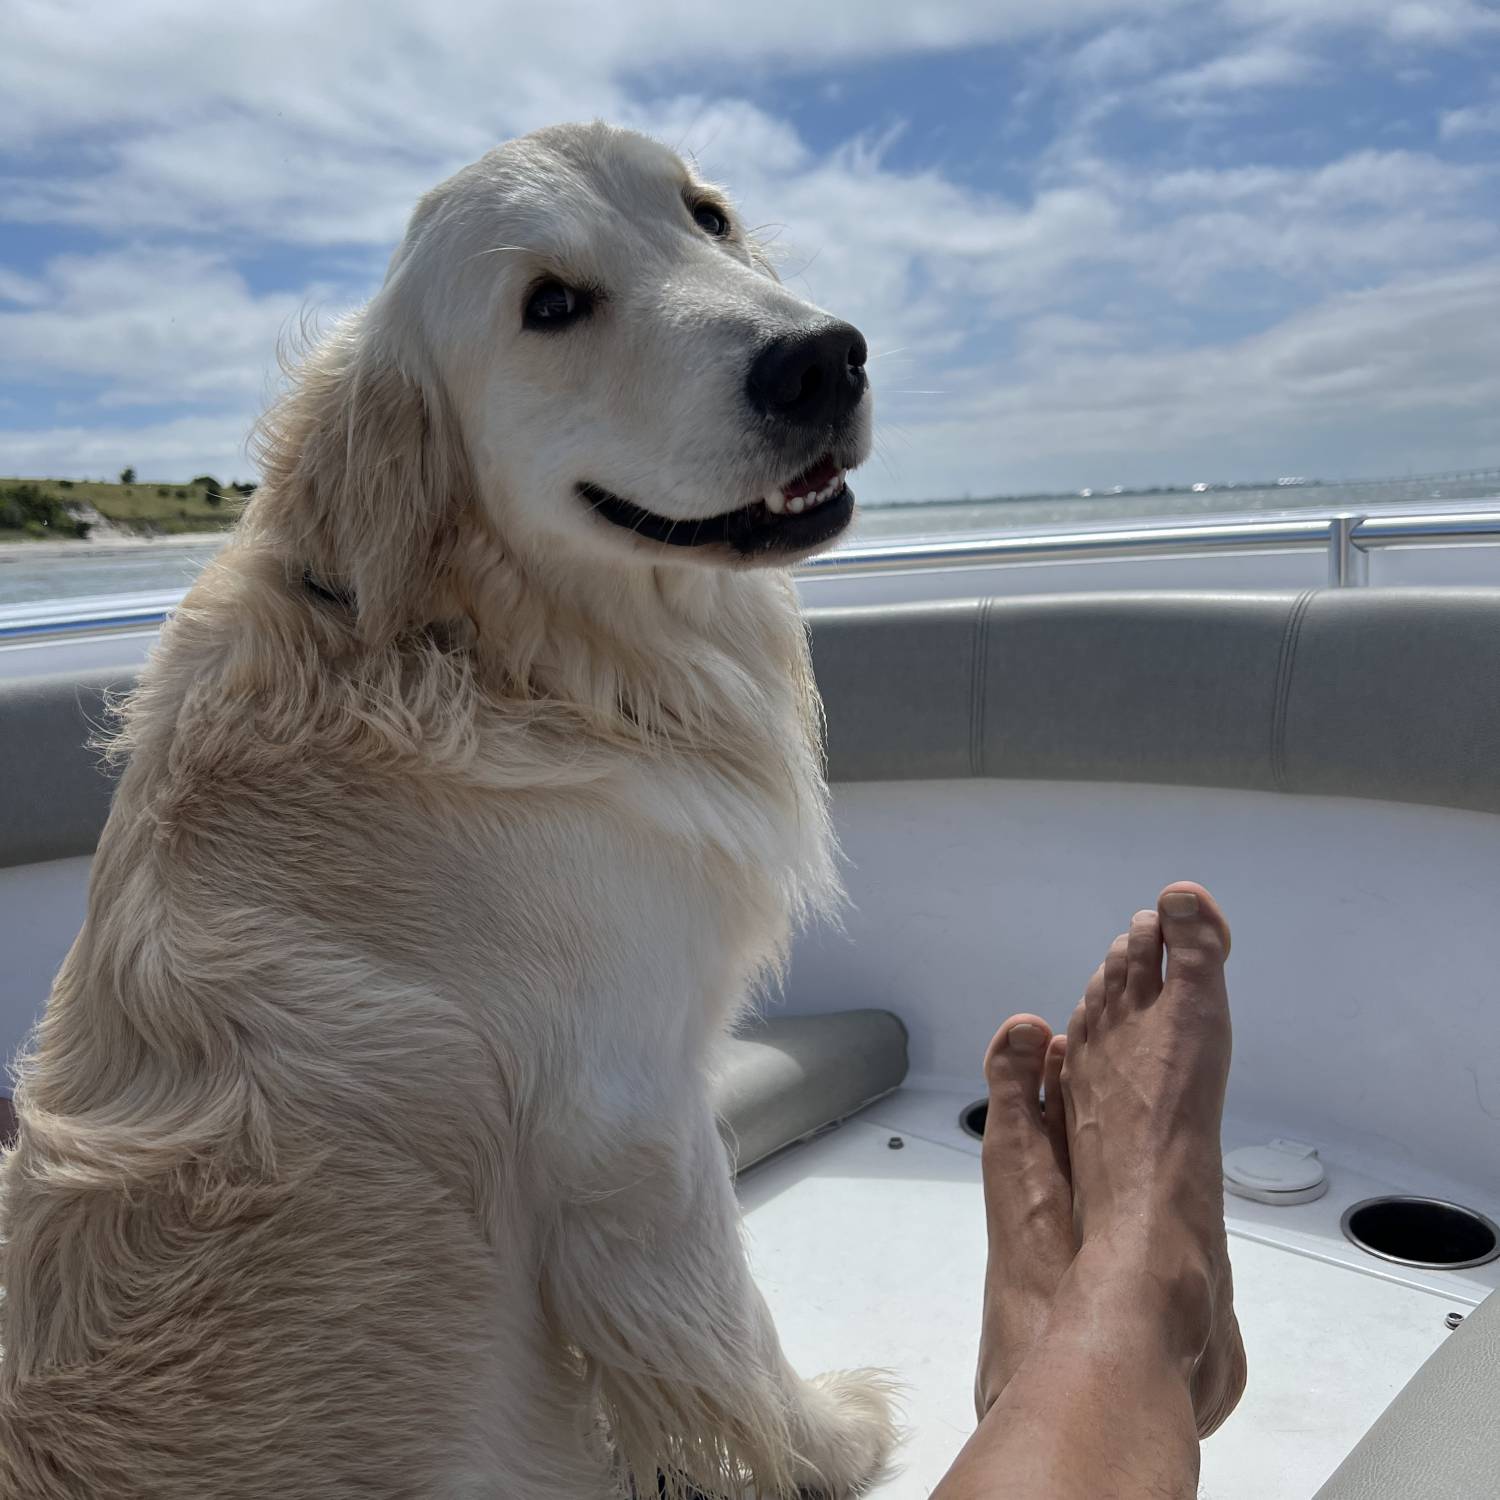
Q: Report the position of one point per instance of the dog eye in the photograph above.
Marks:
(553, 305)
(711, 220)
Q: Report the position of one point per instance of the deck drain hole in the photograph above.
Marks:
(972, 1118)
(1422, 1232)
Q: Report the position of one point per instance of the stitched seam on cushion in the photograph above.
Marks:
(1285, 665)
(977, 689)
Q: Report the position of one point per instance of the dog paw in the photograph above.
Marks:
(844, 1432)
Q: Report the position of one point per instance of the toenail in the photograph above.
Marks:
(1180, 904)
(1024, 1038)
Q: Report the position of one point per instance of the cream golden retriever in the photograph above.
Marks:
(367, 1145)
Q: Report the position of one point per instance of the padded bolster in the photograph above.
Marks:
(898, 687)
(1395, 693)
(54, 790)
(1385, 693)
(785, 1078)
(1175, 688)
(1155, 688)
(1440, 1438)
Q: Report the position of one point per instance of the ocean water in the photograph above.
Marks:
(32, 573)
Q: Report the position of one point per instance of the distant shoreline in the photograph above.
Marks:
(94, 511)
(29, 551)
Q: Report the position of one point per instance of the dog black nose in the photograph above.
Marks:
(810, 379)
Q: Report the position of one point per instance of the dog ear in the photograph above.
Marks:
(365, 475)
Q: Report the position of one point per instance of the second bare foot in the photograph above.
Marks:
(1027, 1196)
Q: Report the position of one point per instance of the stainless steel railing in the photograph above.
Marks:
(1347, 538)
(99, 616)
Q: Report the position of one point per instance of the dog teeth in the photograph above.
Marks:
(778, 503)
(828, 491)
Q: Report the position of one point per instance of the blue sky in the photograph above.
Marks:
(1094, 242)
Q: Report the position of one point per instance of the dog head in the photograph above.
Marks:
(630, 378)
(578, 341)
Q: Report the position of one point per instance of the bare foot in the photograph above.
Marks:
(1144, 1078)
(1028, 1199)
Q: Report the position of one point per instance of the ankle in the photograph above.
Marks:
(1159, 1281)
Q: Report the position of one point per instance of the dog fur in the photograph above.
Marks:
(367, 1147)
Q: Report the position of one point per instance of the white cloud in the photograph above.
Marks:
(1473, 119)
(1431, 22)
(1398, 377)
(151, 327)
(190, 133)
(20, 290)
(302, 121)
(1445, 22)
(1263, 65)
(161, 452)
(1380, 179)
(728, 137)
(1125, 51)
(1368, 213)
(924, 264)
(224, 177)
(329, 69)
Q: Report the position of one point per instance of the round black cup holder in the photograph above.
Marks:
(1426, 1232)
(971, 1118)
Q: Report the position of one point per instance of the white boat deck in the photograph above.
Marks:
(870, 1255)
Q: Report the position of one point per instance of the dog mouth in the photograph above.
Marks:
(796, 516)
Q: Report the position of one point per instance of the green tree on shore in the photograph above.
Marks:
(27, 508)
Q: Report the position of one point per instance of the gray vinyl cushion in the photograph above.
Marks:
(898, 685)
(54, 791)
(1406, 685)
(1385, 693)
(1175, 688)
(1440, 1438)
(787, 1077)
(1160, 688)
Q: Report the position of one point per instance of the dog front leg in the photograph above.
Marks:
(650, 1284)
